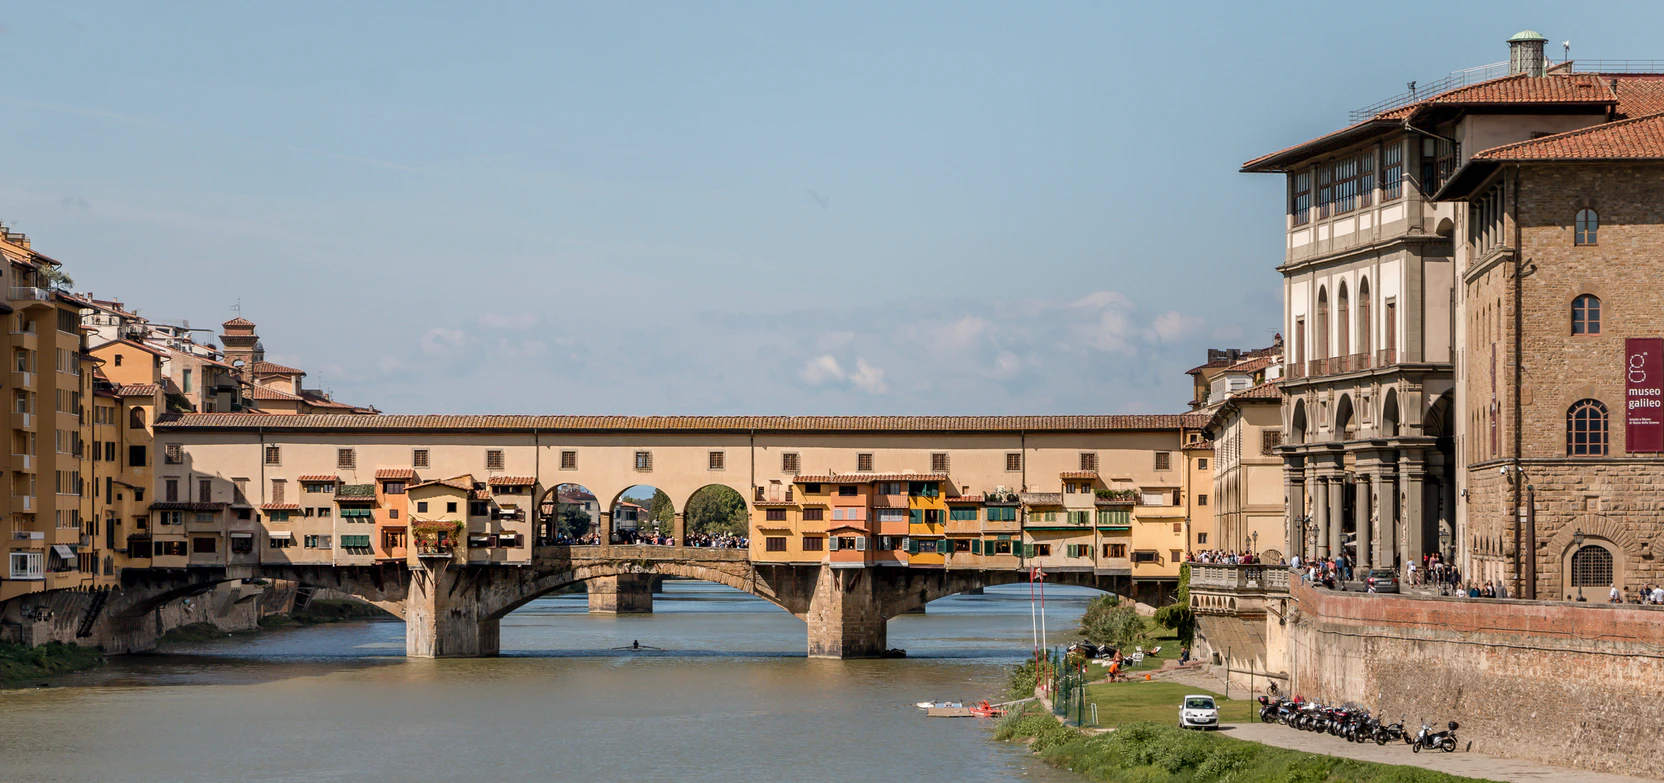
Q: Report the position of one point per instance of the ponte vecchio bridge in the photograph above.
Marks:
(442, 520)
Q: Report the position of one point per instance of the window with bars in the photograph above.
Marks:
(1366, 178)
(939, 463)
(863, 462)
(1325, 189)
(172, 454)
(1438, 162)
(346, 459)
(1588, 227)
(274, 454)
(1586, 429)
(1586, 314)
(494, 459)
(717, 460)
(644, 460)
(1270, 440)
(569, 460)
(1088, 460)
(1300, 196)
(1344, 189)
(1392, 171)
(790, 462)
(1013, 461)
(1164, 460)
(419, 458)
(1592, 567)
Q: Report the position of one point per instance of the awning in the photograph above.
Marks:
(250, 535)
(281, 534)
(63, 551)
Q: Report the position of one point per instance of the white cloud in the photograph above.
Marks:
(868, 378)
(821, 370)
(1173, 326)
(439, 341)
(1112, 332)
(1102, 299)
(1006, 365)
(962, 335)
(518, 322)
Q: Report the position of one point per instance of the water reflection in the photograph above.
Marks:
(731, 697)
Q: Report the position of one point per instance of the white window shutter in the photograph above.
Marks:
(860, 543)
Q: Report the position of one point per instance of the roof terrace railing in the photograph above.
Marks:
(1618, 66)
(1422, 92)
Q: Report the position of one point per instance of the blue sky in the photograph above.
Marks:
(717, 207)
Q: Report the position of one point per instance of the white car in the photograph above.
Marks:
(1198, 712)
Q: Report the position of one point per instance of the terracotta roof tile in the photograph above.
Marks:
(238, 321)
(397, 422)
(773, 503)
(1264, 391)
(1079, 474)
(479, 494)
(408, 474)
(512, 481)
(276, 369)
(320, 477)
(258, 392)
(868, 478)
(463, 482)
(139, 390)
(280, 507)
(965, 499)
(1641, 138)
(1252, 365)
(184, 506)
(1639, 96)
(131, 344)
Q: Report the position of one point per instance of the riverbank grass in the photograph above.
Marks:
(19, 664)
(327, 610)
(1159, 753)
(1137, 701)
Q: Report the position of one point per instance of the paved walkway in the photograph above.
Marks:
(1473, 765)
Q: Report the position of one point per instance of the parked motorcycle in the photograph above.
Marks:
(1389, 732)
(1428, 738)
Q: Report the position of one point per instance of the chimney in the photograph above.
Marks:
(1525, 53)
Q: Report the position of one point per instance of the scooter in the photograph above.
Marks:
(1428, 738)
(1389, 732)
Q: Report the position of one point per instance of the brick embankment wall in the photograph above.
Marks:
(1578, 685)
(230, 606)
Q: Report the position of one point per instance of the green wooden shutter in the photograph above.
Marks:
(976, 546)
(916, 516)
(912, 546)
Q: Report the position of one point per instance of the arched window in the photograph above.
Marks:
(1586, 314)
(135, 420)
(1588, 226)
(1363, 317)
(1343, 324)
(1586, 429)
(1322, 348)
(1592, 567)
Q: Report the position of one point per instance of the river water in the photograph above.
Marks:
(731, 697)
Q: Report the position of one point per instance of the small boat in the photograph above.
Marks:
(930, 705)
(983, 709)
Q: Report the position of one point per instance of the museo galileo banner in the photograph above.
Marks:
(1644, 395)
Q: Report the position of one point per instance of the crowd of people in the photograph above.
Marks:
(1222, 557)
(1648, 594)
(719, 541)
(640, 538)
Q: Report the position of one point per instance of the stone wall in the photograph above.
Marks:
(1572, 685)
(56, 616)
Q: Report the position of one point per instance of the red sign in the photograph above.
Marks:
(1644, 395)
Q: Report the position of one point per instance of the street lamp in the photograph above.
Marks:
(1255, 537)
(1577, 540)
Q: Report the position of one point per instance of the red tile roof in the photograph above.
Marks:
(280, 507)
(258, 392)
(139, 390)
(773, 503)
(479, 494)
(319, 477)
(1639, 96)
(966, 499)
(464, 482)
(396, 473)
(512, 481)
(131, 344)
(238, 321)
(868, 478)
(835, 424)
(1079, 474)
(276, 369)
(1252, 365)
(1264, 391)
(1637, 139)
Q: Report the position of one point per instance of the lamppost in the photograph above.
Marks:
(1255, 546)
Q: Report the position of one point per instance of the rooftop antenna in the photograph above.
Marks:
(238, 307)
(1412, 86)
(1566, 51)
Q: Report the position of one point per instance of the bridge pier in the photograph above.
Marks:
(443, 617)
(622, 594)
(845, 619)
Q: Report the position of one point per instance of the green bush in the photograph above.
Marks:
(19, 663)
(1112, 621)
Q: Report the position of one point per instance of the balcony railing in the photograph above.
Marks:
(27, 293)
(1386, 357)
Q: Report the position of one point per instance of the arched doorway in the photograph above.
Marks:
(568, 515)
(643, 514)
(717, 516)
(1590, 568)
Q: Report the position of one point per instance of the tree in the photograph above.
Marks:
(659, 510)
(717, 511)
(1112, 621)
(1178, 616)
(571, 521)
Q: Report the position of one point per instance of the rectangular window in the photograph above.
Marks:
(962, 514)
(1392, 171)
(863, 462)
(421, 507)
(278, 516)
(170, 491)
(939, 463)
(274, 455)
(494, 459)
(1115, 550)
(419, 458)
(135, 456)
(278, 485)
(1201, 538)
(817, 514)
(393, 487)
(1366, 178)
(450, 507)
(644, 460)
(203, 545)
(1270, 440)
(717, 460)
(1002, 514)
(569, 460)
(1164, 460)
(789, 462)
(812, 543)
(774, 514)
(68, 321)
(1300, 196)
(774, 544)
(1343, 174)
(1201, 500)
(1042, 550)
(1146, 556)
(1088, 460)
(346, 459)
(1013, 461)
(205, 490)
(281, 542)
